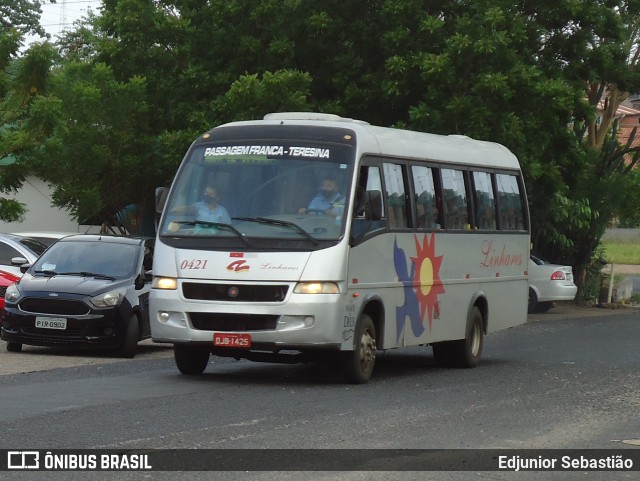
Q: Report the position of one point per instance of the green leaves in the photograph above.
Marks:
(111, 116)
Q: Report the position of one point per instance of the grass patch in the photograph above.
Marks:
(621, 252)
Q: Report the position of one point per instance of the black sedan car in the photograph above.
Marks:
(85, 290)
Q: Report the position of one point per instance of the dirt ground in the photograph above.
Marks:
(627, 269)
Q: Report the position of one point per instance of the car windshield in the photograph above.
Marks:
(89, 258)
(294, 191)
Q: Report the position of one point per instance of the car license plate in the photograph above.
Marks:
(51, 322)
(224, 339)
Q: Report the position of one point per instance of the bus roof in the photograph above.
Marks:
(399, 143)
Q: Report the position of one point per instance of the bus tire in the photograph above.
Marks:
(359, 363)
(466, 352)
(533, 301)
(190, 360)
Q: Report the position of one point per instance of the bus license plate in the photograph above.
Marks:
(224, 339)
(51, 323)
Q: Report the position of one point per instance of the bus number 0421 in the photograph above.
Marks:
(194, 264)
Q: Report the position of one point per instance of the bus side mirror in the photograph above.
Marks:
(161, 198)
(373, 205)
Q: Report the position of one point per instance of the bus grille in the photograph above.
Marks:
(54, 306)
(234, 292)
(206, 321)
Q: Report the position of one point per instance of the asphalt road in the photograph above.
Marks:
(556, 382)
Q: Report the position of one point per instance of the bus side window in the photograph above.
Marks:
(511, 215)
(395, 195)
(455, 199)
(427, 209)
(485, 205)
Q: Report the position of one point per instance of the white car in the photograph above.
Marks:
(16, 250)
(549, 283)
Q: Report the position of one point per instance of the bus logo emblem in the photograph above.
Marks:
(422, 285)
(238, 266)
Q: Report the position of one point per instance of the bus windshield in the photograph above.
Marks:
(245, 193)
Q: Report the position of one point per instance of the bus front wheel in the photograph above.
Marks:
(190, 360)
(359, 363)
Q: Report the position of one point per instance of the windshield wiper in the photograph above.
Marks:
(47, 272)
(219, 225)
(280, 223)
(86, 274)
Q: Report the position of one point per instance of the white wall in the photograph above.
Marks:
(41, 215)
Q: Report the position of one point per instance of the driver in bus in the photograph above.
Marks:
(206, 210)
(328, 201)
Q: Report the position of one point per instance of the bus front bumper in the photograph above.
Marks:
(313, 323)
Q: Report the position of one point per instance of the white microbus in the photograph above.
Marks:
(309, 236)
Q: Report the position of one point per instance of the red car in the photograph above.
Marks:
(6, 279)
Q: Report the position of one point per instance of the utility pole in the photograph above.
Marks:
(63, 14)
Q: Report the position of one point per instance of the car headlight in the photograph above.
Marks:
(12, 293)
(317, 288)
(108, 299)
(168, 283)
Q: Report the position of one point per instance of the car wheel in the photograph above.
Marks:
(14, 347)
(359, 363)
(533, 301)
(131, 337)
(190, 360)
(544, 306)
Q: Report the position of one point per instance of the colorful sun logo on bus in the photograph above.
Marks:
(422, 285)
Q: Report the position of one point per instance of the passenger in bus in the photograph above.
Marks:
(428, 212)
(206, 210)
(328, 201)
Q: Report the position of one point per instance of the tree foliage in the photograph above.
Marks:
(135, 83)
(19, 80)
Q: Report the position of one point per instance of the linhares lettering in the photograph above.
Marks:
(492, 259)
(278, 267)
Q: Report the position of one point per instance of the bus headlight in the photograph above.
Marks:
(316, 288)
(167, 283)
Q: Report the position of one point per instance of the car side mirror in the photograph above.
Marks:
(24, 268)
(140, 281)
(18, 261)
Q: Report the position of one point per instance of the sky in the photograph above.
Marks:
(56, 17)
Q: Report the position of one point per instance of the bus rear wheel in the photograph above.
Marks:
(359, 363)
(462, 352)
(190, 360)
